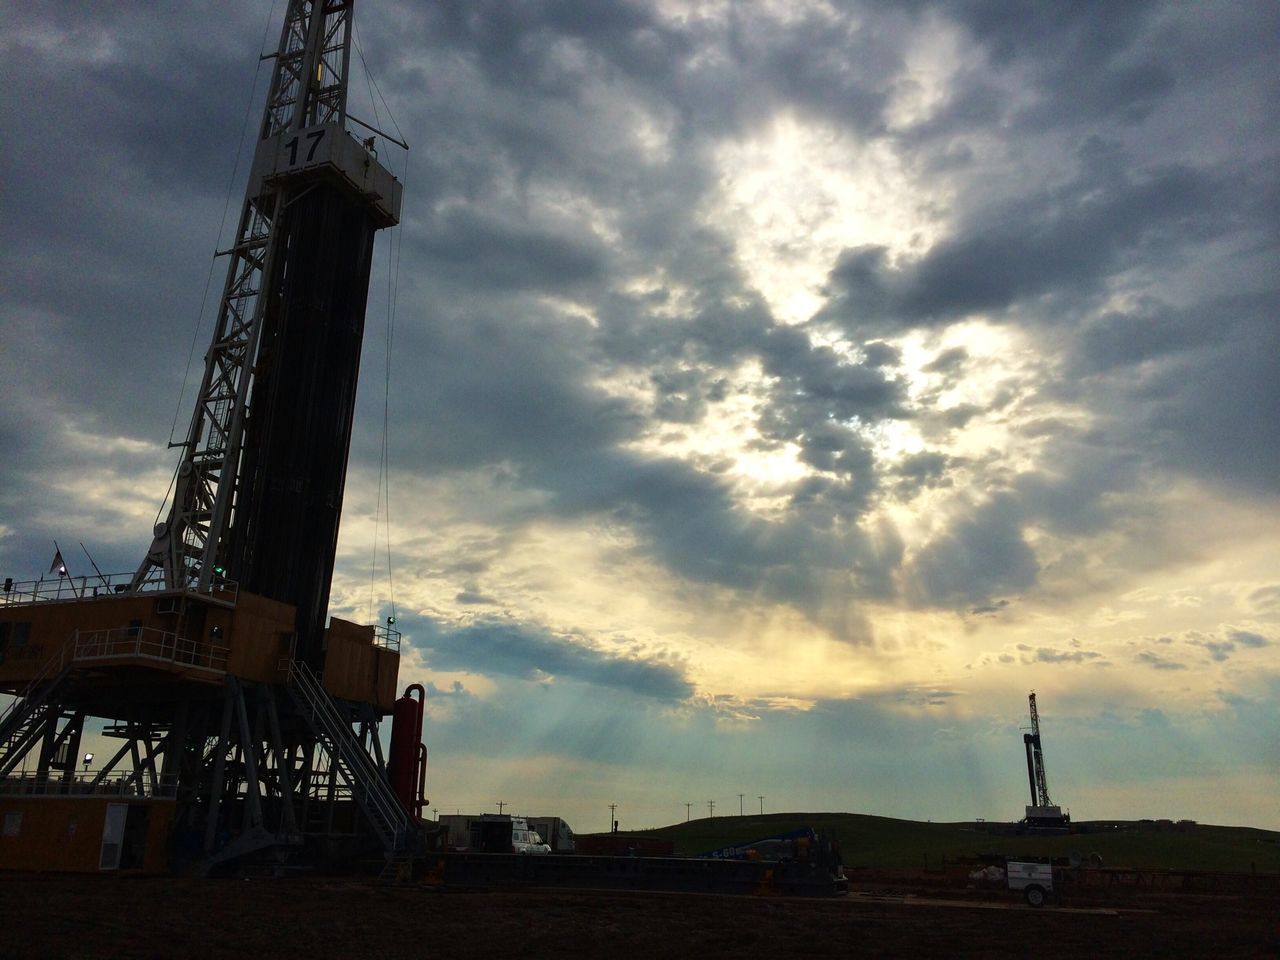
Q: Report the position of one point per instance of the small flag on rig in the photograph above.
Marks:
(58, 563)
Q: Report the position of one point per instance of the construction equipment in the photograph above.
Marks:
(248, 726)
(1042, 813)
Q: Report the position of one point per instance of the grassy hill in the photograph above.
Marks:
(885, 842)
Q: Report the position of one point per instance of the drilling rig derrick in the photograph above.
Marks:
(1042, 812)
(248, 725)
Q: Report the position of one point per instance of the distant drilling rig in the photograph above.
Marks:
(1043, 813)
(248, 726)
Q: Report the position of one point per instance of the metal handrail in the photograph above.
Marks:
(125, 785)
(145, 643)
(339, 733)
(387, 637)
(365, 777)
(107, 585)
(148, 643)
(363, 772)
(51, 667)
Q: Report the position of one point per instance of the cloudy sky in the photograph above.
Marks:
(778, 391)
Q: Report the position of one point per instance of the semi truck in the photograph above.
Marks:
(501, 833)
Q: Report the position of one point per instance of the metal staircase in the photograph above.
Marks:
(24, 719)
(389, 819)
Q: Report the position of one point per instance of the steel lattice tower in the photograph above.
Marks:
(246, 724)
(259, 488)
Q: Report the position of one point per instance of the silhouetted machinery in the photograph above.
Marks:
(1043, 813)
(246, 726)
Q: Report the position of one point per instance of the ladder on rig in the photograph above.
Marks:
(24, 719)
(368, 786)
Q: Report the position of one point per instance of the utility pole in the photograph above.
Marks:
(501, 804)
(613, 823)
(711, 808)
(761, 799)
(687, 805)
(740, 804)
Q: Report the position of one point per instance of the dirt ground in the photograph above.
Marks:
(311, 918)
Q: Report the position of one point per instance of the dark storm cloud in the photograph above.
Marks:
(1247, 638)
(564, 150)
(1157, 662)
(818, 402)
(1266, 598)
(121, 137)
(1210, 413)
(515, 42)
(1116, 342)
(831, 63)
(1095, 62)
(846, 390)
(508, 393)
(1066, 240)
(1031, 654)
(163, 99)
(682, 394)
(991, 609)
(511, 393)
(693, 526)
(1193, 384)
(1087, 60)
(917, 471)
(1084, 493)
(519, 389)
(1061, 240)
(980, 556)
(529, 652)
(1221, 650)
(466, 248)
(949, 362)
(1218, 650)
(503, 390)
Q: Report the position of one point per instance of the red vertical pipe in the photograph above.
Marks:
(403, 760)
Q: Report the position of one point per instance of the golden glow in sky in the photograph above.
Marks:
(774, 386)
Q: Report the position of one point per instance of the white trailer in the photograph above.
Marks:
(554, 832)
(1033, 878)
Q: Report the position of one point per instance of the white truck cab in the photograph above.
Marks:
(525, 840)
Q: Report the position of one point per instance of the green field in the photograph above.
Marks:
(868, 841)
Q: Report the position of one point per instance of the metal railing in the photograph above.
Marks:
(371, 791)
(147, 643)
(386, 636)
(84, 785)
(107, 585)
(31, 698)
